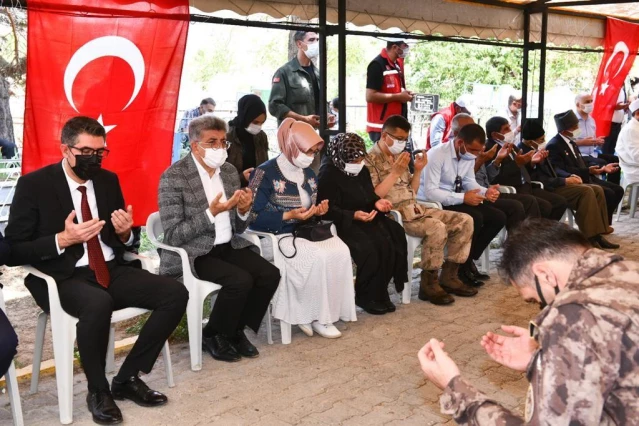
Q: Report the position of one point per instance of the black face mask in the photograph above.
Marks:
(87, 166)
(542, 300)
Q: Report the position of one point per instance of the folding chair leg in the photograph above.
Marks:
(485, 261)
(41, 329)
(286, 332)
(194, 320)
(269, 325)
(633, 200)
(408, 288)
(110, 357)
(63, 338)
(14, 395)
(168, 367)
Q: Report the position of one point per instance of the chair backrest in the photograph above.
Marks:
(154, 227)
(2, 306)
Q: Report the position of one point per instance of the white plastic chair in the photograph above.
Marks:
(11, 380)
(412, 243)
(63, 331)
(632, 200)
(278, 260)
(198, 289)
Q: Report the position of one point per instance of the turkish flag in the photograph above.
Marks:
(118, 61)
(620, 50)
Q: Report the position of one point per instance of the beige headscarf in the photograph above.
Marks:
(295, 137)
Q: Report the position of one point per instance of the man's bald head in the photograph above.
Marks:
(459, 121)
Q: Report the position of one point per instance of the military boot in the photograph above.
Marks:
(430, 290)
(451, 283)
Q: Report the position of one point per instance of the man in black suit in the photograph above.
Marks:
(568, 162)
(69, 220)
(513, 170)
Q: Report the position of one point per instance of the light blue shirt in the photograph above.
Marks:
(588, 130)
(437, 181)
(437, 129)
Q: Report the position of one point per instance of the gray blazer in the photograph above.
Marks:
(183, 205)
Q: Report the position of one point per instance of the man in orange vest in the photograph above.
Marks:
(439, 130)
(386, 92)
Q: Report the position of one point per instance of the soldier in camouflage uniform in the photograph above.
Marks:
(388, 166)
(581, 354)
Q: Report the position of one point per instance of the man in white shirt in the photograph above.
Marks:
(617, 120)
(513, 114)
(203, 210)
(449, 178)
(69, 221)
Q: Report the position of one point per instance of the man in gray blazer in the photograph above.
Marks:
(203, 209)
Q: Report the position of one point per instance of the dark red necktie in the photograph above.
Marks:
(96, 257)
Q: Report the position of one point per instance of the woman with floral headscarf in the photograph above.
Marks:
(316, 289)
(377, 243)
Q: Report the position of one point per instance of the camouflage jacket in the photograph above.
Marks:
(586, 370)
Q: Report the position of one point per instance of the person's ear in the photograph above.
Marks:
(543, 272)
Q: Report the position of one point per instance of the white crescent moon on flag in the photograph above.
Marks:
(116, 46)
(619, 47)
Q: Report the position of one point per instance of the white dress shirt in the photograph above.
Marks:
(619, 114)
(76, 197)
(569, 143)
(514, 121)
(437, 129)
(438, 178)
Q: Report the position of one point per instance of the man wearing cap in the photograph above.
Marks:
(628, 146)
(386, 93)
(513, 114)
(567, 160)
(587, 201)
(439, 130)
(588, 142)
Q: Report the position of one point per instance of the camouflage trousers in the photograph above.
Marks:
(439, 228)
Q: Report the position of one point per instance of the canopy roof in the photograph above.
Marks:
(485, 19)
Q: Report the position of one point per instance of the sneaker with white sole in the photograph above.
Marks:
(307, 329)
(326, 330)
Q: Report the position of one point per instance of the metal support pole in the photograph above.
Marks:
(341, 72)
(322, 69)
(525, 64)
(542, 63)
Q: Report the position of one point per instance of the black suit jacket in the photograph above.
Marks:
(543, 172)
(510, 173)
(40, 206)
(564, 161)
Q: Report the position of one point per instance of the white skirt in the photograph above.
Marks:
(317, 283)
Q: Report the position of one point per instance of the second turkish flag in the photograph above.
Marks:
(116, 61)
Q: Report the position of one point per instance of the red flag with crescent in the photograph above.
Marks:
(118, 61)
(620, 50)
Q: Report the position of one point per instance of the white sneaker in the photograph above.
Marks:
(307, 329)
(326, 330)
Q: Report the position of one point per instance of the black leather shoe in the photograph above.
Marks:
(243, 346)
(136, 390)
(390, 307)
(469, 278)
(103, 408)
(478, 275)
(220, 348)
(372, 307)
(605, 244)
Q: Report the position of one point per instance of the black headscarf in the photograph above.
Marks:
(249, 107)
(346, 148)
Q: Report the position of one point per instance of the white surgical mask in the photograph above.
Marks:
(353, 168)
(467, 156)
(576, 133)
(588, 108)
(405, 52)
(214, 158)
(303, 161)
(509, 137)
(312, 51)
(254, 129)
(397, 147)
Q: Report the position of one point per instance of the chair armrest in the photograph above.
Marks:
(277, 256)
(147, 264)
(54, 297)
(505, 189)
(252, 238)
(431, 204)
(539, 184)
(397, 216)
(184, 257)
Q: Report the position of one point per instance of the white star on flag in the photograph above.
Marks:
(107, 129)
(604, 87)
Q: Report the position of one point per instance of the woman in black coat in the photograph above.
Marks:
(377, 243)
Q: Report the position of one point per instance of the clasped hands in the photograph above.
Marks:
(513, 351)
(79, 233)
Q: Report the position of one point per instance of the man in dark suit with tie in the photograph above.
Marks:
(513, 172)
(69, 220)
(568, 162)
(587, 201)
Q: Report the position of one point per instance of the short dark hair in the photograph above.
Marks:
(396, 122)
(335, 103)
(471, 133)
(78, 126)
(299, 35)
(390, 44)
(494, 124)
(536, 239)
(207, 101)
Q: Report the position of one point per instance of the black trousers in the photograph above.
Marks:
(610, 141)
(487, 221)
(248, 283)
(8, 343)
(82, 297)
(517, 207)
(613, 193)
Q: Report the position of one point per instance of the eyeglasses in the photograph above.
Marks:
(215, 145)
(398, 139)
(88, 152)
